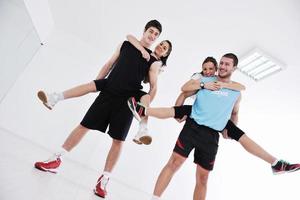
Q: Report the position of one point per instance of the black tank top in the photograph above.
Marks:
(128, 71)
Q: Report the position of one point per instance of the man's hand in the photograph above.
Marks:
(182, 119)
(145, 54)
(212, 86)
(225, 134)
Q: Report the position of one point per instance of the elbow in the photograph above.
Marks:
(184, 94)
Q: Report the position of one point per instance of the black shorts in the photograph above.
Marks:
(111, 110)
(203, 139)
(233, 131)
(100, 84)
(181, 111)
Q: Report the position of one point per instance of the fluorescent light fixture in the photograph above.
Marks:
(258, 65)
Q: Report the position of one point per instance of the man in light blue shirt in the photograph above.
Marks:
(210, 113)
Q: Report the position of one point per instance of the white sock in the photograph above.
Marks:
(142, 125)
(274, 163)
(60, 96)
(61, 152)
(146, 111)
(155, 197)
(106, 174)
(105, 179)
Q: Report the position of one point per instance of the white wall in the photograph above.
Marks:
(41, 16)
(18, 42)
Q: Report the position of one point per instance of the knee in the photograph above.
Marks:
(243, 139)
(202, 180)
(174, 164)
(145, 99)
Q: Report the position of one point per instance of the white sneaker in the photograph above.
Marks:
(49, 100)
(142, 137)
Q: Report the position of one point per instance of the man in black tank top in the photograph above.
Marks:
(128, 69)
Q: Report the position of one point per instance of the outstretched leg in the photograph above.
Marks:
(256, 150)
(278, 166)
(49, 100)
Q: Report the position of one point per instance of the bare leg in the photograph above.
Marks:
(161, 113)
(53, 163)
(256, 150)
(80, 90)
(113, 155)
(114, 152)
(201, 183)
(75, 137)
(167, 173)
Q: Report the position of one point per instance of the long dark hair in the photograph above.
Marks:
(212, 60)
(165, 58)
(162, 59)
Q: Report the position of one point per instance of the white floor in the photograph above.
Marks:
(19, 180)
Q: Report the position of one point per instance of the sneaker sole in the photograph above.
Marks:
(146, 140)
(135, 114)
(137, 141)
(293, 170)
(278, 173)
(46, 170)
(42, 96)
(98, 194)
(282, 172)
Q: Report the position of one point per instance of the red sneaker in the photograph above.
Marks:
(49, 165)
(100, 189)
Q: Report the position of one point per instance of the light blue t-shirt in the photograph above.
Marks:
(213, 108)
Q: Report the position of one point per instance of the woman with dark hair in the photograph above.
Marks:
(209, 68)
